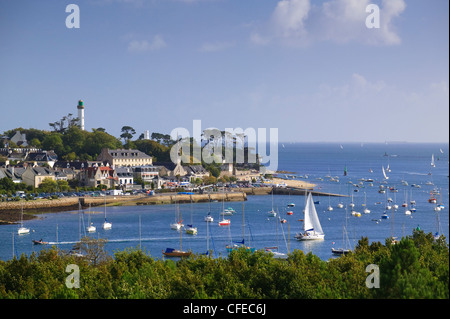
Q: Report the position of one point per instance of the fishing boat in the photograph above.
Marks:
(312, 230)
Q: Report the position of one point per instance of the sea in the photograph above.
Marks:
(407, 166)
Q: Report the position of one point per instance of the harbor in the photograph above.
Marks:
(144, 221)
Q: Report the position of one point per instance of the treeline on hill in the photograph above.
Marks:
(70, 143)
(76, 144)
(416, 267)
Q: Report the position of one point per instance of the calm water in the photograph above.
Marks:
(409, 162)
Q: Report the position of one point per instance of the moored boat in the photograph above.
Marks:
(171, 252)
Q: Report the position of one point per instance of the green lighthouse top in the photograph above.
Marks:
(80, 104)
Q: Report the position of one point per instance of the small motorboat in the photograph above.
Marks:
(171, 252)
(39, 242)
(340, 251)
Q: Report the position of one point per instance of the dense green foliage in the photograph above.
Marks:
(416, 267)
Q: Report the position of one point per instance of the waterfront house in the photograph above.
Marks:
(125, 177)
(34, 176)
(42, 157)
(122, 157)
(98, 175)
(196, 171)
(147, 172)
(13, 173)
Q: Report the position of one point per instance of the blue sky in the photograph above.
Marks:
(310, 68)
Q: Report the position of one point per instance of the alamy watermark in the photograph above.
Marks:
(373, 19)
(73, 280)
(208, 145)
(373, 279)
(73, 19)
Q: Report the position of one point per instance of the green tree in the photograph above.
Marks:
(62, 185)
(54, 142)
(152, 148)
(97, 140)
(48, 185)
(127, 133)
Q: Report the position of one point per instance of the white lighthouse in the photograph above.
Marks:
(80, 108)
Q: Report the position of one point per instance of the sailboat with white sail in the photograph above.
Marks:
(106, 224)
(178, 221)
(91, 228)
(22, 229)
(312, 230)
(272, 212)
(223, 221)
(384, 173)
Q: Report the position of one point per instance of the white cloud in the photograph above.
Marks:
(297, 22)
(289, 17)
(156, 43)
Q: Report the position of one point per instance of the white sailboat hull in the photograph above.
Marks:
(310, 237)
(176, 226)
(107, 225)
(23, 230)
